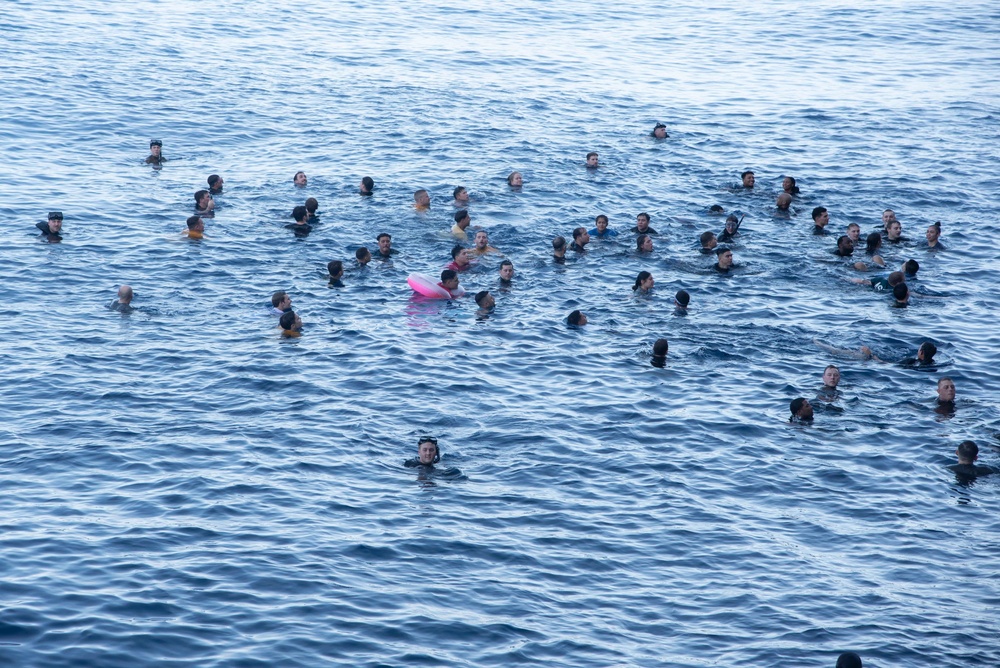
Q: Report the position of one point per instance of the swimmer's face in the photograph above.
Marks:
(462, 258)
(932, 233)
(831, 377)
(786, 184)
(385, 244)
(482, 240)
(592, 161)
(583, 238)
(200, 227)
(507, 272)
(450, 284)
(462, 195)
(806, 412)
(726, 259)
(647, 284)
(426, 452)
(155, 150)
(846, 246)
(301, 180)
(888, 216)
(647, 245)
(297, 325)
(894, 230)
(642, 222)
(659, 133)
(583, 319)
(516, 180)
(823, 218)
(712, 243)
(55, 224)
(602, 225)
(488, 302)
(748, 180)
(205, 202)
(946, 390)
(422, 200)
(364, 259)
(853, 233)
(285, 303)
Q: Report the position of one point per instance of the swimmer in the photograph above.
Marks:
(932, 235)
(385, 250)
(901, 296)
(966, 468)
(515, 180)
(312, 205)
(681, 301)
(51, 229)
(195, 228)
(885, 284)
(910, 268)
(506, 273)
(888, 216)
(449, 281)
(421, 200)
(481, 244)
(894, 233)
(644, 244)
(802, 410)
(576, 319)
(291, 325)
(659, 131)
(367, 186)
(459, 259)
(945, 396)
(281, 303)
(124, 302)
(485, 301)
(725, 260)
(731, 230)
(708, 242)
(784, 202)
(155, 156)
(462, 221)
(849, 660)
(660, 349)
(642, 225)
(300, 227)
(204, 205)
(559, 250)
(748, 180)
(820, 218)
(643, 283)
(362, 256)
(716, 209)
(428, 454)
(872, 245)
(215, 183)
(601, 229)
(300, 180)
(854, 234)
(845, 248)
(831, 377)
(336, 271)
(580, 240)
(461, 196)
(592, 160)
(924, 357)
(788, 185)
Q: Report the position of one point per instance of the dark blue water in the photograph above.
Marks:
(182, 487)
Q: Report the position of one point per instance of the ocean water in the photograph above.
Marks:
(183, 487)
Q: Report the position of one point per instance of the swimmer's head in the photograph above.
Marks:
(788, 185)
(933, 232)
(428, 451)
(367, 185)
(203, 199)
(946, 390)
(911, 267)
(725, 257)
(660, 348)
(300, 214)
(362, 255)
(300, 179)
(708, 240)
(462, 218)
(312, 204)
(642, 221)
(484, 300)
(601, 222)
(384, 241)
(716, 208)
(895, 278)
(831, 376)
(660, 131)
(196, 224)
(281, 300)
(461, 194)
(748, 179)
(125, 294)
(873, 242)
(801, 408)
(732, 222)
(506, 270)
(559, 243)
(515, 180)
(459, 255)
(335, 268)
(215, 183)
(592, 159)
(887, 217)
(845, 246)
(580, 236)
(783, 202)
(290, 321)
(482, 240)
(449, 279)
(854, 233)
(967, 452)
(926, 352)
(820, 216)
(576, 318)
(55, 221)
(644, 280)
(644, 243)
(155, 142)
(849, 660)
(901, 293)
(893, 230)
(421, 199)
(682, 298)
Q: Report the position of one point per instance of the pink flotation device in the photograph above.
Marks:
(428, 287)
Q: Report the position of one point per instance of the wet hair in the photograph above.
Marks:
(480, 296)
(796, 405)
(198, 195)
(579, 232)
(192, 222)
(911, 267)
(361, 252)
(335, 267)
(368, 183)
(895, 278)
(592, 153)
(937, 224)
(660, 347)
(873, 242)
(312, 204)
(456, 249)
(929, 350)
(794, 189)
(287, 319)
(55, 215)
(461, 215)
(510, 178)
(706, 237)
(559, 242)
(448, 274)
(784, 201)
(383, 234)
(417, 194)
(683, 298)
(841, 239)
(643, 275)
(968, 450)
(640, 240)
(900, 292)
(743, 175)
(599, 217)
(458, 189)
(300, 213)
(125, 292)
(575, 317)
(818, 211)
(155, 142)
(506, 263)
(437, 450)
(722, 249)
(716, 208)
(849, 660)
(855, 225)
(831, 366)
(297, 175)
(278, 297)
(945, 378)
(643, 215)
(213, 179)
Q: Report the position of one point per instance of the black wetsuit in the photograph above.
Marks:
(299, 229)
(971, 471)
(336, 283)
(416, 463)
(721, 270)
(725, 236)
(577, 247)
(379, 255)
(648, 230)
(819, 231)
(559, 259)
(47, 232)
(153, 160)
